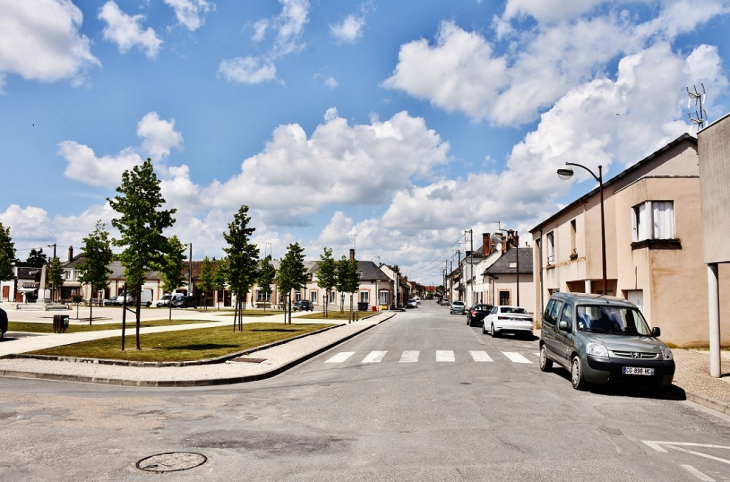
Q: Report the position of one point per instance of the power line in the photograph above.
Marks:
(437, 260)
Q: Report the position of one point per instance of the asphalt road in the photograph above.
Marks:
(370, 409)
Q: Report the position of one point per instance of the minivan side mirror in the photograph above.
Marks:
(563, 325)
(656, 332)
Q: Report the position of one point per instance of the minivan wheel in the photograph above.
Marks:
(576, 374)
(545, 364)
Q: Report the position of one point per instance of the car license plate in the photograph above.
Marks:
(638, 371)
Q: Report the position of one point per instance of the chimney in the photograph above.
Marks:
(352, 254)
(504, 244)
(486, 247)
(70, 253)
(517, 239)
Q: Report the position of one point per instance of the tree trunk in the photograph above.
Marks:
(91, 308)
(138, 303)
(124, 318)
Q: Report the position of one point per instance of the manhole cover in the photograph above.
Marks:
(172, 462)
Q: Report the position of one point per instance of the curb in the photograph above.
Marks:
(708, 403)
(188, 383)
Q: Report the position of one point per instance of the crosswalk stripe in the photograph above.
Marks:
(516, 357)
(409, 357)
(480, 356)
(445, 356)
(340, 357)
(374, 357)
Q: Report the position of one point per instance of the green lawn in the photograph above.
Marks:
(74, 328)
(254, 313)
(335, 315)
(186, 345)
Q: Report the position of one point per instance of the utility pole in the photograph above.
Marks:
(471, 263)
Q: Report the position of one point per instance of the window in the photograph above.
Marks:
(313, 297)
(557, 306)
(573, 235)
(384, 297)
(550, 248)
(297, 296)
(364, 297)
(546, 316)
(567, 315)
(504, 297)
(653, 220)
(261, 296)
(333, 296)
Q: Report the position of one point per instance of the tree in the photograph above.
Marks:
(140, 227)
(171, 271)
(36, 259)
(219, 276)
(205, 283)
(242, 260)
(55, 276)
(292, 274)
(93, 269)
(267, 275)
(7, 254)
(326, 276)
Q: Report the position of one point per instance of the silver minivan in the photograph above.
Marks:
(603, 339)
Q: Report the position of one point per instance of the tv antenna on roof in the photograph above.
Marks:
(700, 114)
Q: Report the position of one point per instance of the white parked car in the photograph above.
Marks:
(508, 319)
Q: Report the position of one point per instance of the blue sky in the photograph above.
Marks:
(389, 126)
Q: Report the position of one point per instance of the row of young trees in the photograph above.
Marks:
(141, 223)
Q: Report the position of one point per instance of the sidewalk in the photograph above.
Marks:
(249, 367)
(692, 374)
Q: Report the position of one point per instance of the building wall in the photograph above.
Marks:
(714, 167)
(673, 281)
(508, 282)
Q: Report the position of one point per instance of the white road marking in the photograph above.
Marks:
(697, 473)
(340, 357)
(537, 353)
(480, 356)
(445, 356)
(516, 357)
(678, 446)
(374, 357)
(409, 357)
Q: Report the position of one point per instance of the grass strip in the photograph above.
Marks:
(335, 315)
(76, 328)
(185, 345)
(250, 313)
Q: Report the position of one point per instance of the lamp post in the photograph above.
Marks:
(566, 173)
(190, 269)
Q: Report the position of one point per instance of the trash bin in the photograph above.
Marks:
(362, 306)
(60, 323)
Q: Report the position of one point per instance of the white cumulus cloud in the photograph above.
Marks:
(126, 30)
(349, 30)
(191, 13)
(247, 70)
(159, 136)
(40, 40)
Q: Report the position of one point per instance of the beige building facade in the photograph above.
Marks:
(653, 227)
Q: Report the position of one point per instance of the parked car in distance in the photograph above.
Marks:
(118, 301)
(3, 323)
(508, 319)
(183, 301)
(602, 340)
(412, 303)
(418, 300)
(164, 301)
(457, 307)
(302, 305)
(476, 314)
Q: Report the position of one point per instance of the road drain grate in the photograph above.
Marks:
(171, 462)
(249, 360)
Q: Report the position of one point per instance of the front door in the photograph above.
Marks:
(637, 298)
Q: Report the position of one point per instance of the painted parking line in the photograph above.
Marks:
(409, 357)
(697, 473)
(445, 356)
(659, 447)
(340, 357)
(374, 357)
(480, 356)
(516, 357)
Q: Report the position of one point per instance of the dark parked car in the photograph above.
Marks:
(3, 323)
(475, 315)
(603, 339)
(302, 305)
(183, 302)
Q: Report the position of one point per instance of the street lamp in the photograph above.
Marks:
(190, 269)
(566, 173)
